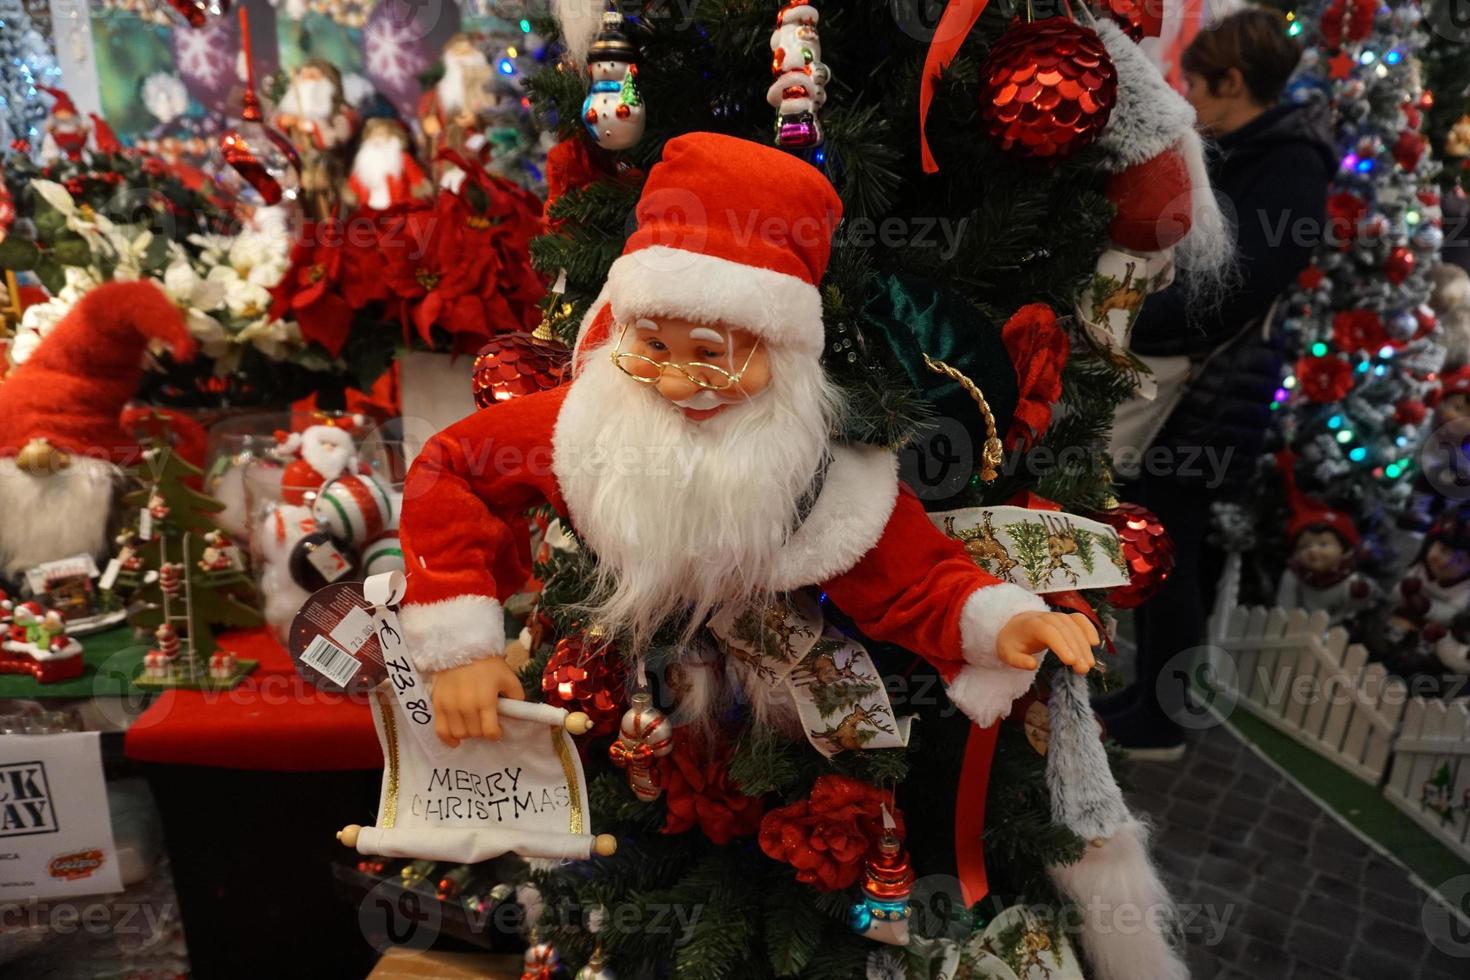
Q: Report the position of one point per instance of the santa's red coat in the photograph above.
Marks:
(867, 543)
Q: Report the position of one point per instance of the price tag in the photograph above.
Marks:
(385, 591)
(355, 630)
(325, 558)
(145, 525)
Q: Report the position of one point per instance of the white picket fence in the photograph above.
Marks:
(1306, 680)
(1295, 674)
(1430, 780)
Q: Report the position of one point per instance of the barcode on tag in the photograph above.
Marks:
(337, 664)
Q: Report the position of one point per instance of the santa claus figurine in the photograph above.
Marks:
(61, 442)
(69, 135)
(1432, 619)
(704, 348)
(455, 112)
(384, 172)
(314, 117)
(1322, 571)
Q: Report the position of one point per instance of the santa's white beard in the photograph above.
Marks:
(310, 98)
(464, 82)
(685, 516)
(378, 160)
(65, 513)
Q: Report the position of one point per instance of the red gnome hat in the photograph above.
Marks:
(728, 230)
(62, 103)
(1308, 512)
(72, 389)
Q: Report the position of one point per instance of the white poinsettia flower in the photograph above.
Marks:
(22, 346)
(186, 287)
(246, 300)
(78, 281)
(55, 195)
(273, 338)
(214, 340)
(213, 248)
(259, 258)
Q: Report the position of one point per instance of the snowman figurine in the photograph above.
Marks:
(800, 87)
(612, 112)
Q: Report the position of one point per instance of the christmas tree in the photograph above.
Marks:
(26, 62)
(188, 578)
(1361, 343)
(766, 833)
(1447, 77)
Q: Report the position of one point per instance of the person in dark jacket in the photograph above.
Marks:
(1272, 171)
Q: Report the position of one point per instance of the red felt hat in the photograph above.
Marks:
(62, 102)
(1308, 513)
(732, 231)
(71, 391)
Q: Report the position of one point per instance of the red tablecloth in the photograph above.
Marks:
(274, 720)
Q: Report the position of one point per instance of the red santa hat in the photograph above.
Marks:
(72, 390)
(1457, 382)
(62, 102)
(1308, 513)
(732, 231)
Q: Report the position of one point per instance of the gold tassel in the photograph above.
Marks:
(993, 454)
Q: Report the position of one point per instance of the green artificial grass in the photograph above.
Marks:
(1362, 805)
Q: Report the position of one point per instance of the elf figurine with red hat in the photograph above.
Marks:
(68, 134)
(61, 441)
(1322, 571)
(1430, 626)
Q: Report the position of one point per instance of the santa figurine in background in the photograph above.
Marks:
(384, 172)
(1432, 620)
(61, 441)
(314, 117)
(1322, 571)
(69, 136)
(456, 111)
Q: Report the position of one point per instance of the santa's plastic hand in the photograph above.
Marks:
(1071, 636)
(464, 699)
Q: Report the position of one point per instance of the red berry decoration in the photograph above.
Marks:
(518, 363)
(1148, 551)
(586, 674)
(1048, 89)
(1324, 379)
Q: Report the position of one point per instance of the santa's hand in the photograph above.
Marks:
(1071, 636)
(464, 699)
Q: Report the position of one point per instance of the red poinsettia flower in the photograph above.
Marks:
(1324, 379)
(826, 836)
(1359, 330)
(436, 263)
(699, 793)
(1038, 348)
(308, 292)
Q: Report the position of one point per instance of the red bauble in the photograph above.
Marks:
(1400, 265)
(1344, 211)
(1138, 18)
(197, 12)
(586, 674)
(1408, 149)
(1048, 89)
(263, 157)
(1148, 551)
(298, 481)
(1410, 411)
(1324, 379)
(1350, 20)
(515, 364)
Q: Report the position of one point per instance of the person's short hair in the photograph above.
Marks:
(1253, 40)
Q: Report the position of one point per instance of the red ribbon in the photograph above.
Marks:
(969, 813)
(954, 26)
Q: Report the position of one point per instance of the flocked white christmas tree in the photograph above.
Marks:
(26, 61)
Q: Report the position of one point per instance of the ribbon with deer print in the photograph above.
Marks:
(1042, 551)
(839, 695)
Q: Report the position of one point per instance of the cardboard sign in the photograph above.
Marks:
(55, 831)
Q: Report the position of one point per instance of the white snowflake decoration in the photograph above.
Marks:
(392, 51)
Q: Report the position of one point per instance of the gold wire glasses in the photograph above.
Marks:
(647, 371)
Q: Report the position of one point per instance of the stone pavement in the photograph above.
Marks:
(1305, 898)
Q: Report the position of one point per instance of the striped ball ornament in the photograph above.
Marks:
(356, 507)
(384, 554)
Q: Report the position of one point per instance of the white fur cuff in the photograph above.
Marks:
(453, 632)
(985, 688)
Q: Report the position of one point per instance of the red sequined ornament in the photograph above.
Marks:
(1138, 18)
(518, 363)
(1048, 89)
(1148, 551)
(586, 674)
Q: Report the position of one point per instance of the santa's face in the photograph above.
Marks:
(312, 94)
(701, 369)
(66, 122)
(1446, 564)
(1319, 551)
(466, 82)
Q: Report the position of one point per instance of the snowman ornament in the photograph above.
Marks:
(613, 112)
(800, 88)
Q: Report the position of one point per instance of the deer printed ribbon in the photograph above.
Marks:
(840, 696)
(1042, 551)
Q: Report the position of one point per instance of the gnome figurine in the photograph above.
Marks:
(1322, 570)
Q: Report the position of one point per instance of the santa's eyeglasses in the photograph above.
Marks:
(647, 371)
